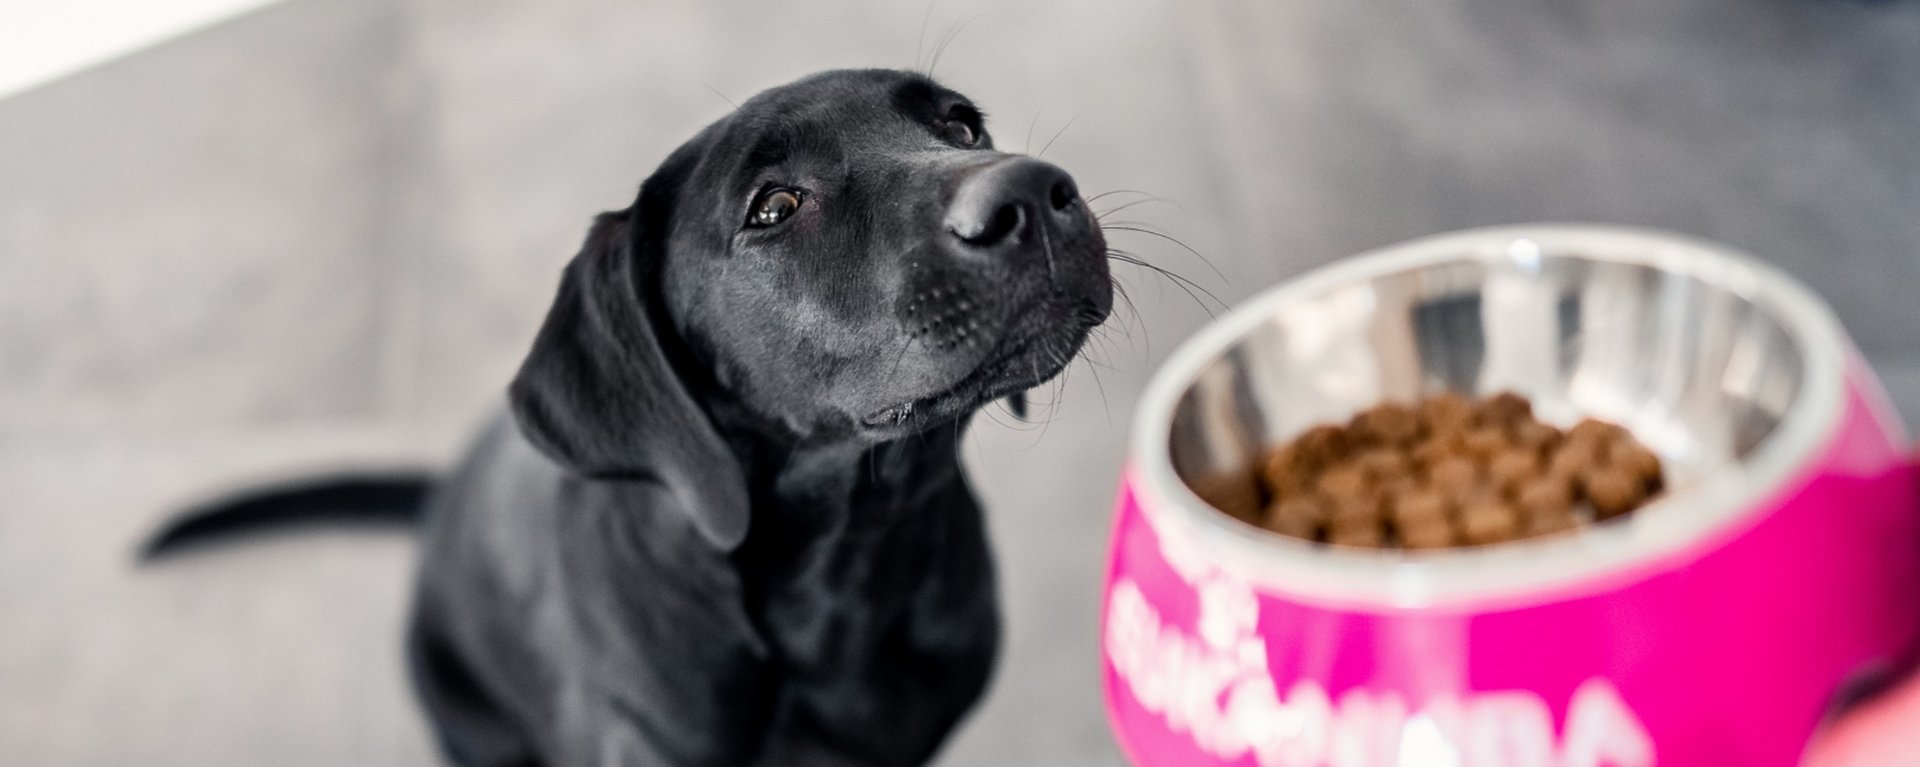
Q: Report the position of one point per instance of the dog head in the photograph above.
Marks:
(844, 257)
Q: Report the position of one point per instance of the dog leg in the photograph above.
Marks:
(473, 732)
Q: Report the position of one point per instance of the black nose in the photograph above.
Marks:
(1000, 206)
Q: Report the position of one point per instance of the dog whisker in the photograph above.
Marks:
(1019, 424)
(904, 348)
(1190, 287)
(1053, 404)
(1194, 293)
(1105, 405)
(946, 40)
(920, 44)
(1186, 285)
(1141, 229)
(1027, 145)
(1102, 216)
(723, 96)
(1104, 195)
(1133, 312)
(1057, 134)
(1106, 349)
(1053, 408)
(1123, 225)
(1141, 260)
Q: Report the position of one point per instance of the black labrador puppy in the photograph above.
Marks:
(725, 522)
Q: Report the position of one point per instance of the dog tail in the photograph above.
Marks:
(391, 499)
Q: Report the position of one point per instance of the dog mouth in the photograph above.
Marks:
(1019, 362)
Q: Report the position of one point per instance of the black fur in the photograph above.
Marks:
(725, 522)
(393, 498)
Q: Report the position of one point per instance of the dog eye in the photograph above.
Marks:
(961, 133)
(962, 125)
(773, 206)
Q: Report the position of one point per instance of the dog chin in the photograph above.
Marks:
(1015, 366)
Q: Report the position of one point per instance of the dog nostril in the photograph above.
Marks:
(1005, 220)
(1063, 194)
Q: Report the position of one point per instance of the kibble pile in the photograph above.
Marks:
(1449, 471)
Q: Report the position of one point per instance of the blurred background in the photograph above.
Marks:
(319, 235)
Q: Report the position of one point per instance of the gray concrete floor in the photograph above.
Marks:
(320, 236)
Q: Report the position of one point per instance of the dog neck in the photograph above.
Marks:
(840, 480)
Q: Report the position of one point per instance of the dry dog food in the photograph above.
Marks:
(1447, 471)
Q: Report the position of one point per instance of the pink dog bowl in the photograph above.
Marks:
(1716, 626)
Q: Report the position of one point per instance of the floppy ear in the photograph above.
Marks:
(600, 392)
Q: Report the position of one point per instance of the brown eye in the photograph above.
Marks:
(962, 126)
(959, 132)
(773, 206)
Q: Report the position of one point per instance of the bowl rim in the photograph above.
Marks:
(1525, 572)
